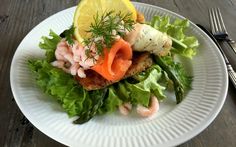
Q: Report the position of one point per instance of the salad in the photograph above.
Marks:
(119, 62)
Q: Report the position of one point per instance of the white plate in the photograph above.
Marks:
(174, 124)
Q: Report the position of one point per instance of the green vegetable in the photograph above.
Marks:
(68, 34)
(97, 97)
(138, 92)
(135, 91)
(74, 99)
(178, 44)
(111, 102)
(49, 44)
(176, 72)
(182, 43)
(148, 84)
(60, 85)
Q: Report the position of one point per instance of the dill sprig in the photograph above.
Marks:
(106, 29)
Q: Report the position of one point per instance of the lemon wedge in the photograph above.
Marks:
(88, 9)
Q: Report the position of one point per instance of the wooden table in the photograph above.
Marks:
(18, 17)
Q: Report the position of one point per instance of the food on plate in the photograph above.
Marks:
(146, 38)
(115, 62)
(94, 81)
(125, 108)
(152, 108)
(88, 9)
(140, 17)
(112, 59)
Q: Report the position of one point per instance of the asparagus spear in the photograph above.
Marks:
(86, 116)
(181, 81)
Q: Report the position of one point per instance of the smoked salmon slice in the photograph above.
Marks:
(115, 62)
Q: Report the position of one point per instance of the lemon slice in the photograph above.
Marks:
(88, 9)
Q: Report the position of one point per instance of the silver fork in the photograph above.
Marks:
(220, 33)
(218, 27)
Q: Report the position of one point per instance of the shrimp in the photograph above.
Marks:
(80, 73)
(125, 108)
(75, 56)
(85, 61)
(77, 49)
(153, 108)
(63, 52)
(74, 68)
(60, 64)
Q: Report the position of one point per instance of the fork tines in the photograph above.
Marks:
(217, 23)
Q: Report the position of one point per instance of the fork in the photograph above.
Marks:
(218, 27)
(219, 32)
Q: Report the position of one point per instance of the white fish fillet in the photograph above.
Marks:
(146, 38)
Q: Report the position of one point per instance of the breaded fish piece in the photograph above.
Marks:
(93, 81)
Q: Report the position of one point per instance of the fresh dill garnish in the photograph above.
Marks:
(68, 35)
(106, 28)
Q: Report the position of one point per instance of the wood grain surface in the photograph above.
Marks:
(18, 17)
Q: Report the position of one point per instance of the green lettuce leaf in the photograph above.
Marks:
(60, 85)
(49, 44)
(137, 91)
(97, 97)
(111, 102)
(182, 43)
(74, 99)
(148, 84)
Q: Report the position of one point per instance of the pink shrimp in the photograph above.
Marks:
(125, 108)
(60, 64)
(153, 108)
(61, 47)
(86, 62)
(80, 73)
(63, 52)
(77, 49)
(74, 68)
(75, 56)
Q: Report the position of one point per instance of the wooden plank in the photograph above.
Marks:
(17, 18)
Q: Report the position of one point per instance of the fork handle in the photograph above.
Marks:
(232, 74)
(232, 45)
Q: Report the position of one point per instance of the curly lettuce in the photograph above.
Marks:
(74, 99)
(148, 84)
(136, 90)
(60, 85)
(49, 44)
(183, 44)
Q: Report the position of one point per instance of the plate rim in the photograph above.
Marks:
(182, 139)
(220, 105)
